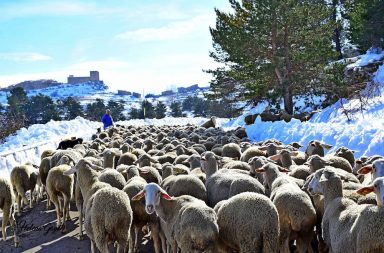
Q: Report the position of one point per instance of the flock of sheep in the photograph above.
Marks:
(201, 189)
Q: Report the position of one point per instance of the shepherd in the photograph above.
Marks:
(107, 119)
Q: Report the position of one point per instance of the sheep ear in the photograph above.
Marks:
(286, 170)
(263, 148)
(274, 157)
(365, 190)
(294, 153)
(326, 146)
(71, 171)
(143, 171)
(138, 196)
(164, 194)
(260, 170)
(365, 170)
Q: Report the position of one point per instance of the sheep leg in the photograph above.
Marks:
(81, 236)
(92, 246)
(156, 241)
(30, 199)
(48, 201)
(163, 242)
(65, 213)
(56, 202)
(18, 197)
(174, 246)
(14, 227)
(130, 241)
(284, 240)
(136, 247)
(5, 222)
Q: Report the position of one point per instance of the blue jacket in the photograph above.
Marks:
(107, 120)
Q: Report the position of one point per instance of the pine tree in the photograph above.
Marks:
(147, 110)
(117, 108)
(17, 101)
(176, 109)
(41, 109)
(96, 110)
(134, 113)
(272, 47)
(70, 108)
(367, 24)
(160, 109)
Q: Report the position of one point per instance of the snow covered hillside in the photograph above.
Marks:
(364, 132)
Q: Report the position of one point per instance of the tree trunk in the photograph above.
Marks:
(288, 100)
(337, 32)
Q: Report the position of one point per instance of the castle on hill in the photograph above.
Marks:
(93, 76)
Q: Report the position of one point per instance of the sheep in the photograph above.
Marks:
(347, 226)
(74, 155)
(237, 165)
(347, 154)
(251, 152)
(150, 174)
(296, 212)
(376, 169)
(108, 210)
(316, 148)
(222, 184)
(7, 199)
(23, 178)
(231, 150)
(127, 159)
(185, 185)
(113, 178)
(109, 156)
(145, 160)
(240, 226)
(140, 217)
(190, 224)
(60, 186)
(377, 186)
(210, 123)
(65, 144)
(315, 162)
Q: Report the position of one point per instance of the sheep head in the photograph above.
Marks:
(152, 193)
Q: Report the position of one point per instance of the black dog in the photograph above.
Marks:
(69, 143)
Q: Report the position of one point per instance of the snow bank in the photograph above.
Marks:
(28, 144)
(364, 133)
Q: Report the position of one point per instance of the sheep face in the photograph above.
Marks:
(152, 193)
(376, 168)
(314, 186)
(377, 187)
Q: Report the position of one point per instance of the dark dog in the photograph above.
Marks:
(70, 143)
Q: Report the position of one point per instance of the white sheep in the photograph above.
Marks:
(7, 199)
(60, 186)
(24, 178)
(347, 226)
(108, 210)
(240, 225)
(296, 212)
(224, 183)
(193, 225)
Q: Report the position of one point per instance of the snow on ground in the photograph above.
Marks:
(28, 144)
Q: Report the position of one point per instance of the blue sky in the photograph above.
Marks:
(144, 45)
